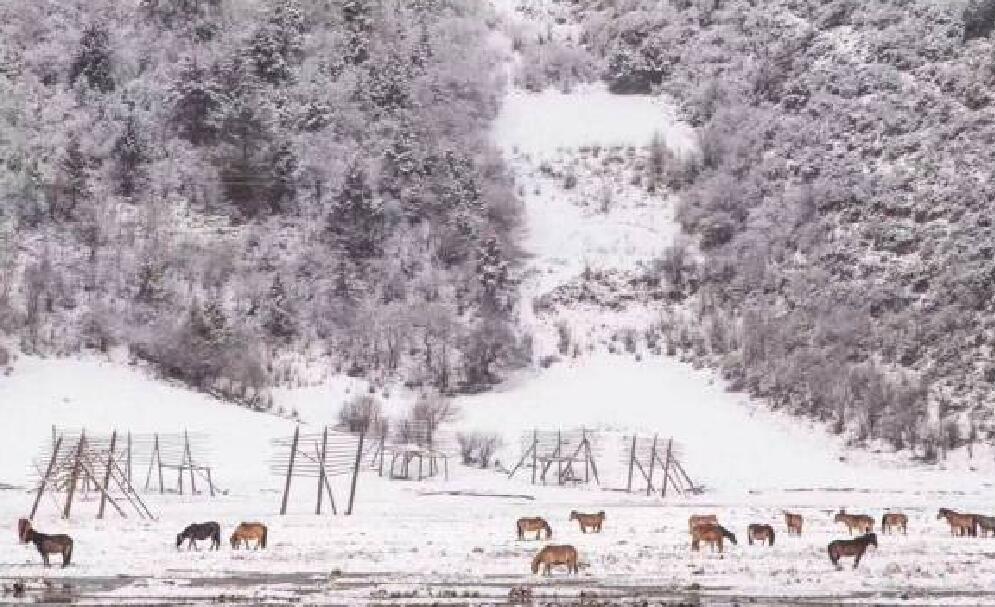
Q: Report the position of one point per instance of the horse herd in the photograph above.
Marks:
(63, 544)
(703, 528)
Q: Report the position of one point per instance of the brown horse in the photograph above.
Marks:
(710, 534)
(861, 522)
(793, 522)
(960, 524)
(986, 524)
(701, 519)
(555, 555)
(46, 544)
(249, 531)
(855, 548)
(588, 520)
(535, 523)
(760, 533)
(894, 520)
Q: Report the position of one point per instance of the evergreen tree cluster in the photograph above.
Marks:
(221, 184)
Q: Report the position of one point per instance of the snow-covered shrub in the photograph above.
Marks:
(361, 413)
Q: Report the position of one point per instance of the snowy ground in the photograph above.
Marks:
(435, 543)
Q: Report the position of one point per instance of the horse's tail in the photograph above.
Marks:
(974, 526)
(262, 541)
(884, 518)
(537, 561)
(549, 530)
(771, 528)
(67, 553)
(216, 535)
(518, 528)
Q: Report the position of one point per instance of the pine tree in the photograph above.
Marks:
(284, 169)
(278, 316)
(92, 60)
(74, 179)
(278, 44)
(356, 218)
(358, 17)
(131, 157)
(197, 102)
(492, 274)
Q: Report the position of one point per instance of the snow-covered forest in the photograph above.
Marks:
(241, 192)
(841, 198)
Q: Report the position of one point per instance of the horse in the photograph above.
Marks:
(985, 524)
(201, 531)
(701, 519)
(249, 531)
(960, 524)
(793, 522)
(555, 555)
(860, 522)
(537, 524)
(760, 533)
(855, 548)
(710, 534)
(892, 520)
(588, 520)
(46, 544)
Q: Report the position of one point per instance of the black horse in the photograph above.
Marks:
(201, 531)
(855, 548)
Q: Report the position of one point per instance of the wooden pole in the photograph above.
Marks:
(210, 481)
(290, 469)
(74, 476)
(649, 485)
(355, 473)
(321, 467)
(535, 455)
(666, 466)
(587, 460)
(188, 456)
(129, 459)
(107, 475)
(632, 462)
(158, 458)
(48, 474)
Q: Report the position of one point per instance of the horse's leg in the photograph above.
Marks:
(856, 559)
(44, 559)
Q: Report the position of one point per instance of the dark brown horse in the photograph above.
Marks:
(960, 524)
(761, 533)
(535, 523)
(855, 548)
(46, 544)
(201, 531)
(594, 521)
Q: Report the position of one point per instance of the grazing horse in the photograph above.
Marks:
(855, 548)
(249, 531)
(535, 523)
(710, 534)
(985, 524)
(46, 544)
(701, 519)
(588, 520)
(861, 522)
(793, 522)
(960, 524)
(201, 531)
(894, 520)
(760, 533)
(555, 555)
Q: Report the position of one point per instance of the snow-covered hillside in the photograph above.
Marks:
(574, 156)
